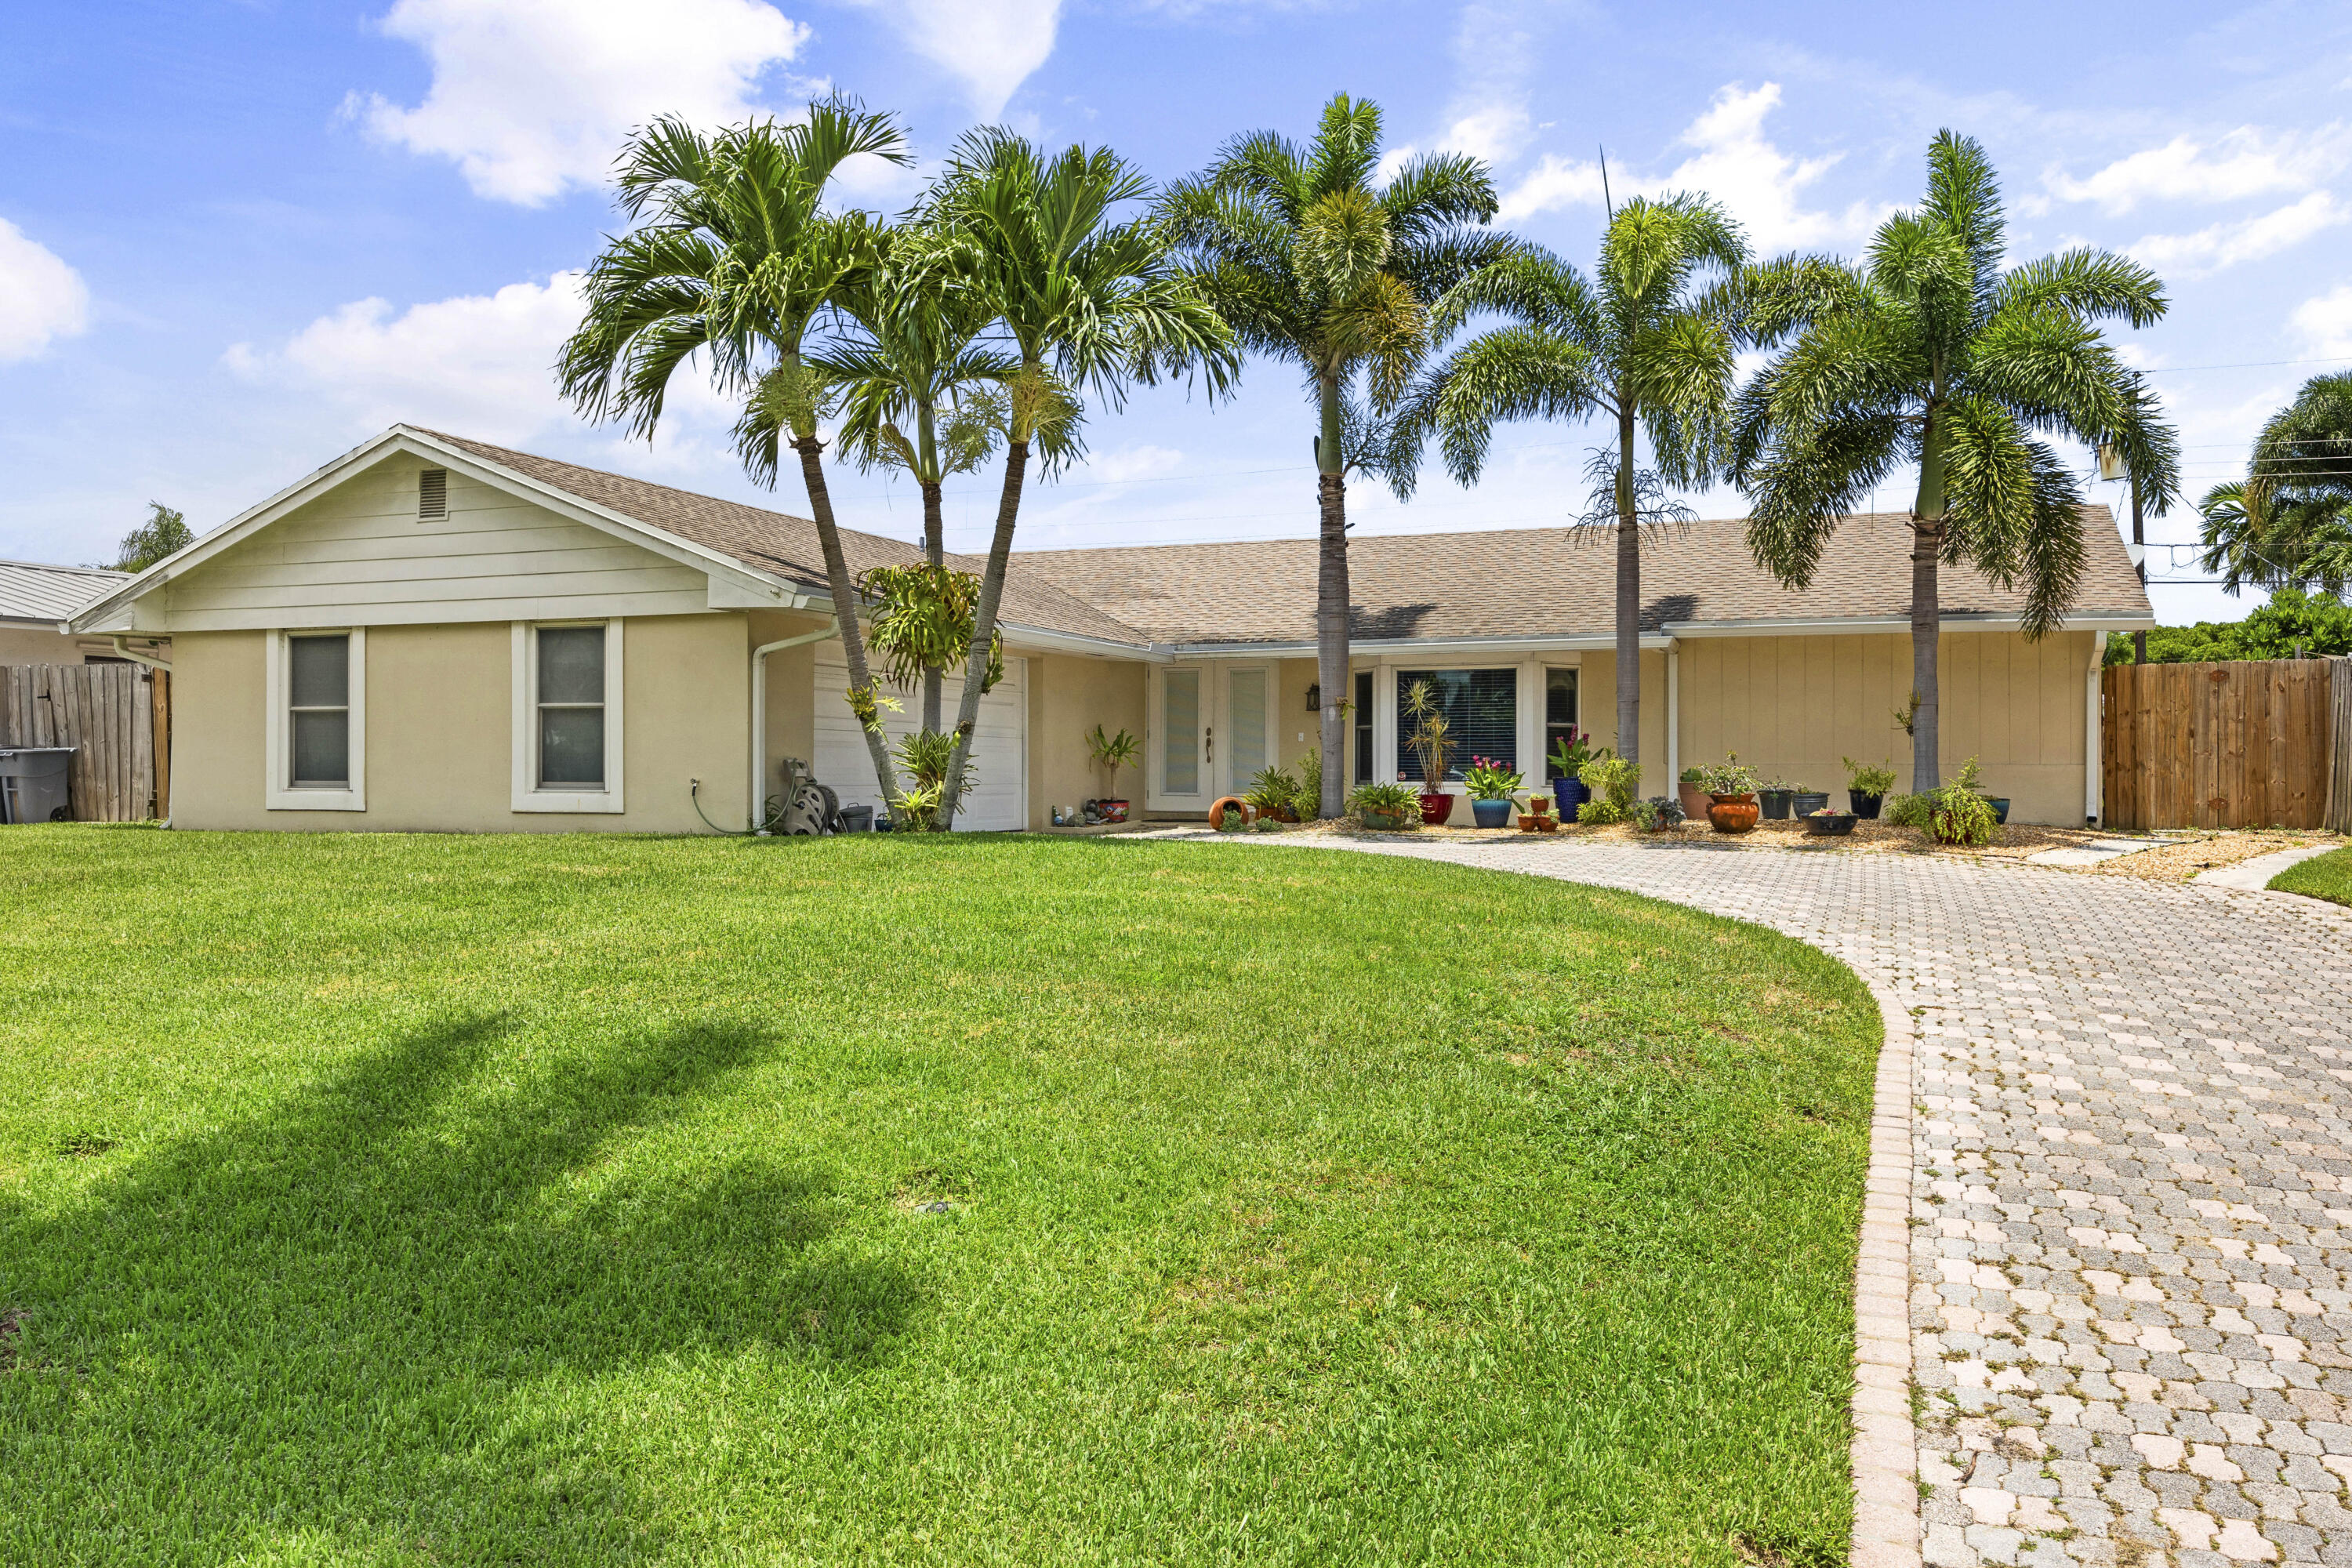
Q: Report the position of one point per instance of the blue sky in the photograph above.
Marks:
(235, 239)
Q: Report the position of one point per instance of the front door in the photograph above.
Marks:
(1182, 759)
(1249, 738)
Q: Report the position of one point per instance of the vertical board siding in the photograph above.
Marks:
(2222, 745)
(110, 714)
(2339, 733)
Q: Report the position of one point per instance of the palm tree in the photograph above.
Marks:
(732, 256)
(915, 385)
(1314, 266)
(1635, 346)
(1930, 353)
(1083, 304)
(2288, 523)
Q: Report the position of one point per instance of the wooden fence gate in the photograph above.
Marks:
(118, 718)
(2242, 744)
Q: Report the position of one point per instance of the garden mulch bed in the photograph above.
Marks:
(2177, 861)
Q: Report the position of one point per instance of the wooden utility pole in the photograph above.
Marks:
(2140, 638)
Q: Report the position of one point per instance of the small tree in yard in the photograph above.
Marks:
(1316, 266)
(1084, 303)
(732, 259)
(1930, 353)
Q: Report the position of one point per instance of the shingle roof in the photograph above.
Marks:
(30, 591)
(1543, 583)
(786, 546)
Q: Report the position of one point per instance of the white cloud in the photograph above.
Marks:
(41, 298)
(991, 44)
(2221, 245)
(2325, 323)
(480, 365)
(1732, 159)
(2244, 163)
(532, 97)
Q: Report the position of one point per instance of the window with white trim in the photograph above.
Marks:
(1481, 716)
(567, 716)
(316, 729)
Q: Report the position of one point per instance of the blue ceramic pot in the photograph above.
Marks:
(1568, 794)
(1491, 813)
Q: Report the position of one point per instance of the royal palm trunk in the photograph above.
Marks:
(1629, 599)
(983, 624)
(845, 611)
(934, 551)
(1332, 602)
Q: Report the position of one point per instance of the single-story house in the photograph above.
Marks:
(37, 599)
(435, 633)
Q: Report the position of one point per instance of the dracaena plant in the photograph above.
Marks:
(1931, 354)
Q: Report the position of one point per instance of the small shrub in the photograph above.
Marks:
(1272, 791)
(1658, 811)
(1615, 781)
(1958, 816)
(1308, 802)
(1385, 799)
(1600, 813)
(1906, 810)
(1730, 776)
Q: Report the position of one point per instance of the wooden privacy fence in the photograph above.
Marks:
(2242, 744)
(118, 717)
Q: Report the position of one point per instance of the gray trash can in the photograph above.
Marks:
(858, 819)
(35, 784)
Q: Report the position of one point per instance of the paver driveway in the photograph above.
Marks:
(2132, 1190)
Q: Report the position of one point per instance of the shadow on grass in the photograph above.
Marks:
(380, 1305)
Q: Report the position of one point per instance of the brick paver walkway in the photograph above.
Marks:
(2131, 1253)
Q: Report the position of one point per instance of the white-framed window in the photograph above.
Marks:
(567, 716)
(316, 728)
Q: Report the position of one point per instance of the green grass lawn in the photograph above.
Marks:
(538, 1200)
(2327, 876)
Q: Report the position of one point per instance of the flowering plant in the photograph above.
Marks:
(1570, 753)
(1487, 779)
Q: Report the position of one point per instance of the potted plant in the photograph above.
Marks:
(1866, 785)
(1805, 799)
(1274, 795)
(1381, 806)
(1823, 823)
(1731, 796)
(1775, 798)
(1658, 815)
(1491, 786)
(1432, 743)
(1568, 758)
(1690, 792)
(1110, 753)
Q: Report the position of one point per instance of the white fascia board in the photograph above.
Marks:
(1019, 635)
(770, 591)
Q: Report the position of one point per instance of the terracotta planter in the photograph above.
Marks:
(1435, 808)
(1238, 806)
(1694, 801)
(1732, 812)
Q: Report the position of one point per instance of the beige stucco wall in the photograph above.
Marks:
(1596, 703)
(439, 728)
(21, 645)
(1069, 694)
(1792, 707)
(791, 692)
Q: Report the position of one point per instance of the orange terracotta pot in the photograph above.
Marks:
(1733, 813)
(1238, 806)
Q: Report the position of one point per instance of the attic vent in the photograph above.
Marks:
(432, 493)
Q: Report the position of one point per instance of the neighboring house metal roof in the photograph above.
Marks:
(786, 546)
(32, 590)
(1548, 583)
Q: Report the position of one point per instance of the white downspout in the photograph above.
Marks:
(122, 646)
(760, 708)
(2091, 770)
(1674, 718)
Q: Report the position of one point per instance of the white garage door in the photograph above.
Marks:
(999, 751)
